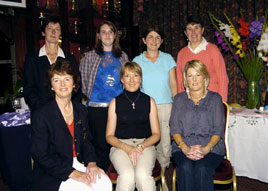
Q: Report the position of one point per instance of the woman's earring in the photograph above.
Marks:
(187, 90)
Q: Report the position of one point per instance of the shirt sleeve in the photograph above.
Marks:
(218, 118)
(84, 73)
(88, 148)
(179, 72)
(171, 62)
(175, 122)
(221, 74)
(51, 163)
(30, 89)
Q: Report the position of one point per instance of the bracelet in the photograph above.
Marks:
(211, 147)
(179, 145)
(141, 146)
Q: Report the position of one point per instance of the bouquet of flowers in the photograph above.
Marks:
(248, 44)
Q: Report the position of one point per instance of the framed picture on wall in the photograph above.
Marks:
(13, 3)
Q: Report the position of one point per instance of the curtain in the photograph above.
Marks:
(171, 15)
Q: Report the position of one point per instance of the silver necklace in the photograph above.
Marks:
(133, 102)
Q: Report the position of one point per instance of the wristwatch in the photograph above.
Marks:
(141, 146)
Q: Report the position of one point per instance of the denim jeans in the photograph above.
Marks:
(196, 175)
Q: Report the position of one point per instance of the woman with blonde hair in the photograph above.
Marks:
(132, 130)
(197, 126)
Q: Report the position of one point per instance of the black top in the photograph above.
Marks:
(35, 90)
(133, 123)
(52, 145)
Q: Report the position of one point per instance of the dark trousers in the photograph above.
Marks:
(196, 175)
(97, 122)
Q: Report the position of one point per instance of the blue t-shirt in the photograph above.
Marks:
(107, 83)
(155, 76)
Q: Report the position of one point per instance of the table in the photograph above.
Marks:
(248, 144)
(15, 157)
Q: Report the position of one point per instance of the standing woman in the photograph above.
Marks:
(64, 158)
(36, 65)
(101, 83)
(132, 130)
(199, 49)
(159, 82)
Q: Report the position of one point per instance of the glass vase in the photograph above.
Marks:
(253, 97)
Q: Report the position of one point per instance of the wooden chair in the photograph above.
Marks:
(157, 174)
(225, 173)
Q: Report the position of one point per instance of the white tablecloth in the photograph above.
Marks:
(248, 144)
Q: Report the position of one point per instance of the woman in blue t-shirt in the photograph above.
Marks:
(159, 82)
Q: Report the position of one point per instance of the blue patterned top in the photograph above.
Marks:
(107, 83)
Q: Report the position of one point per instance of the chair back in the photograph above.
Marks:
(226, 112)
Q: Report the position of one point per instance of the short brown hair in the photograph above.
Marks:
(200, 68)
(62, 67)
(132, 66)
(50, 19)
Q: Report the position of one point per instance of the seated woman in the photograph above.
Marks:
(132, 130)
(197, 126)
(64, 158)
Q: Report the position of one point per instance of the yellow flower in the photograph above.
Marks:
(240, 53)
(236, 37)
(239, 46)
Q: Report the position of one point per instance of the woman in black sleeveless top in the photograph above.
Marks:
(132, 130)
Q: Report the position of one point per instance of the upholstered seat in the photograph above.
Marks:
(157, 174)
(224, 171)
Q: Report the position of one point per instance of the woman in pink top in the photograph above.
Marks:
(199, 49)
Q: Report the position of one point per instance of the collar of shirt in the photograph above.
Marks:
(42, 52)
(144, 58)
(201, 46)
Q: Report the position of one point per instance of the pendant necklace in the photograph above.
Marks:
(133, 102)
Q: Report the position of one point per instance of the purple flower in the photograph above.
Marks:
(255, 28)
(225, 47)
(235, 56)
(220, 40)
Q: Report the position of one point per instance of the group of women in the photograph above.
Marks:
(154, 106)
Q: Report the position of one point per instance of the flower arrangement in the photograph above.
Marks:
(248, 45)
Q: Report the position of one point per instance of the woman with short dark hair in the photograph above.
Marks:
(64, 158)
(37, 63)
(159, 82)
(199, 49)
